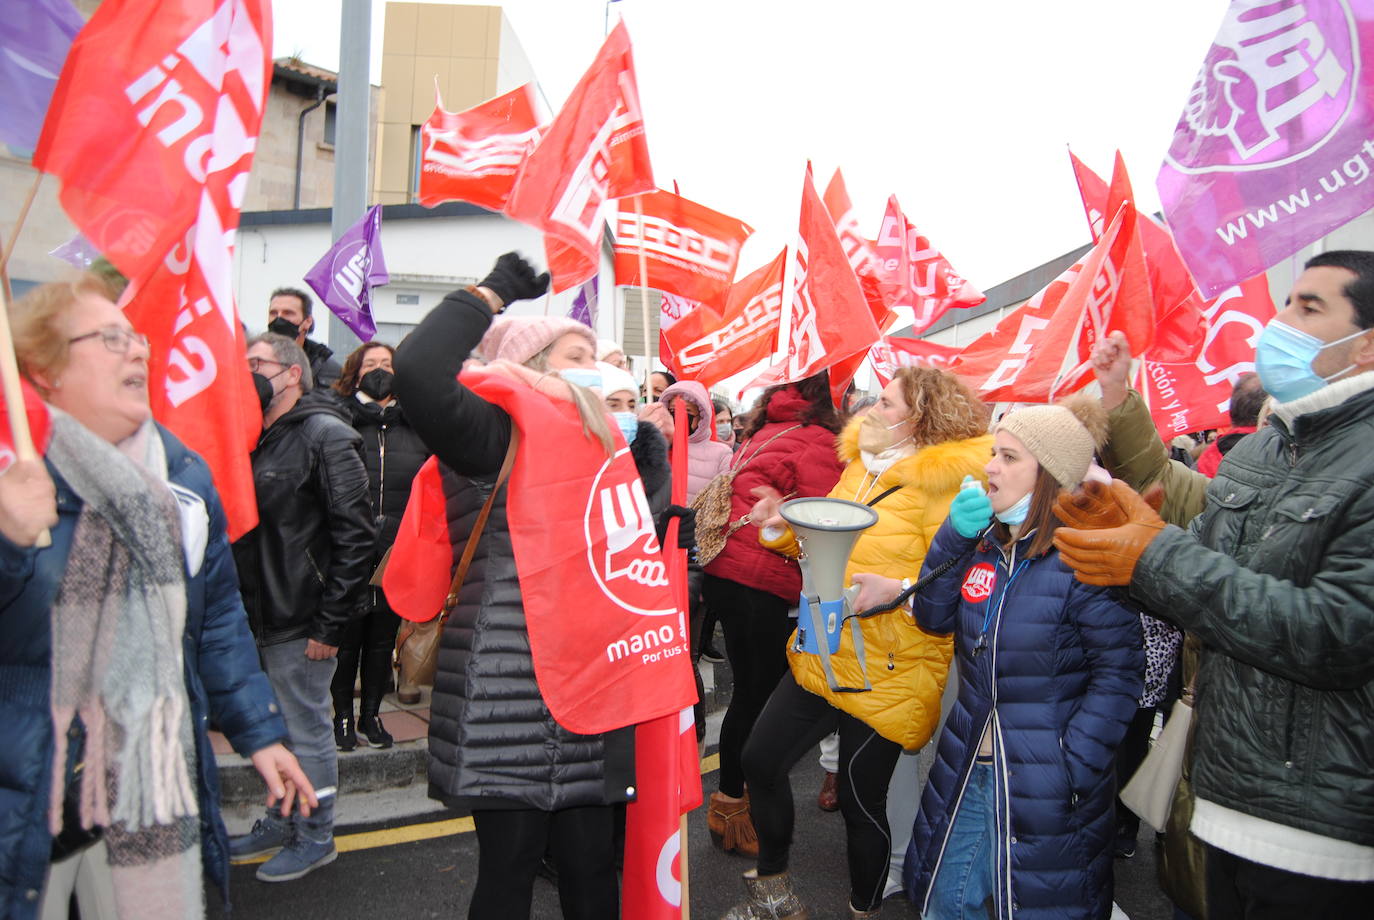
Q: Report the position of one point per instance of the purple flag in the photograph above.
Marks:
(585, 303)
(1275, 147)
(33, 44)
(345, 276)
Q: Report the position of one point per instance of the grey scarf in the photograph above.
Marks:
(117, 626)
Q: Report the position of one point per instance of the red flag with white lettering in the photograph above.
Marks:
(689, 249)
(709, 350)
(917, 278)
(859, 249)
(474, 155)
(1040, 351)
(593, 151)
(831, 319)
(1195, 395)
(152, 131)
(890, 354)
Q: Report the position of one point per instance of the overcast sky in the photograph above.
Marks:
(964, 110)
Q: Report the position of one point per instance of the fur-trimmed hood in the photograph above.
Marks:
(939, 468)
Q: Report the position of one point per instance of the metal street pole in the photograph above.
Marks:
(352, 127)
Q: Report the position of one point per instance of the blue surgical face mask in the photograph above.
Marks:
(629, 425)
(1016, 514)
(582, 376)
(1283, 360)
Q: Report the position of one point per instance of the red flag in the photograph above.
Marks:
(1172, 289)
(689, 249)
(666, 761)
(918, 277)
(40, 426)
(416, 579)
(1195, 395)
(709, 350)
(1040, 351)
(474, 155)
(593, 151)
(831, 319)
(860, 251)
(152, 131)
(890, 353)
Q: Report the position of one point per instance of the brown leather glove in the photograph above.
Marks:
(1111, 527)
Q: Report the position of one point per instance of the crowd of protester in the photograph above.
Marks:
(1037, 591)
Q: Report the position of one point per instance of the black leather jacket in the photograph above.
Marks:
(304, 569)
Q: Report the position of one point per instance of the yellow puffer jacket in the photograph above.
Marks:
(906, 665)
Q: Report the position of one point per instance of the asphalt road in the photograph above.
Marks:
(432, 878)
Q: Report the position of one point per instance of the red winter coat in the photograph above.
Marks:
(802, 461)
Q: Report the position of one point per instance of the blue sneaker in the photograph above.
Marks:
(267, 837)
(298, 858)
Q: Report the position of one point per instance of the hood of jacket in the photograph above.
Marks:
(695, 394)
(786, 405)
(935, 469)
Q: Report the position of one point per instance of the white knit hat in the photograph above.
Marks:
(1055, 437)
(613, 380)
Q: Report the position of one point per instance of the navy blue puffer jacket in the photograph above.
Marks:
(223, 680)
(1058, 683)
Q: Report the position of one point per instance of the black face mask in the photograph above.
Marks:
(376, 383)
(264, 387)
(283, 326)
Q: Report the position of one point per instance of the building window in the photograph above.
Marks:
(409, 300)
(417, 153)
(331, 119)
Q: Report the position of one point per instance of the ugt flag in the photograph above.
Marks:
(152, 130)
(33, 45)
(346, 274)
(1273, 149)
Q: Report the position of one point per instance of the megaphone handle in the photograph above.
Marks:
(925, 580)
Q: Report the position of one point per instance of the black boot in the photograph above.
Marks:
(345, 738)
(370, 724)
(376, 676)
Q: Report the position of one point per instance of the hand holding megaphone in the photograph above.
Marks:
(874, 591)
(767, 511)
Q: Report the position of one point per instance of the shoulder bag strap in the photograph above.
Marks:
(470, 548)
(884, 494)
(736, 467)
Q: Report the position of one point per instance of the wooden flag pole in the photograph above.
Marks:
(644, 300)
(14, 400)
(18, 225)
(682, 867)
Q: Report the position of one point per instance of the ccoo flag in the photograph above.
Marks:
(346, 274)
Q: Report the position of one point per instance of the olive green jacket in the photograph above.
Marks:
(1275, 575)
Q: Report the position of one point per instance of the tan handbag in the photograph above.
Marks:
(1182, 866)
(417, 644)
(712, 506)
(1150, 792)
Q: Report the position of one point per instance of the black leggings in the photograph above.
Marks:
(510, 845)
(368, 642)
(756, 628)
(790, 725)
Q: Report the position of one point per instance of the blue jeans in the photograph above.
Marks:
(963, 887)
(302, 688)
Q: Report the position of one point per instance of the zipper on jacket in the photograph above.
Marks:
(381, 469)
(999, 750)
(318, 574)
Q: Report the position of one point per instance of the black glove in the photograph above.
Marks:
(686, 531)
(512, 279)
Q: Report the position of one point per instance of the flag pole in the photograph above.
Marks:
(682, 867)
(644, 297)
(14, 237)
(18, 414)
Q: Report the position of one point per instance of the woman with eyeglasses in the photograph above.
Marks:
(120, 638)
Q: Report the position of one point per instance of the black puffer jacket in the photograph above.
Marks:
(323, 368)
(304, 568)
(492, 741)
(393, 453)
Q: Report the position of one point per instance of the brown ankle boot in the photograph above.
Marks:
(767, 898)
(731, 827)
(856, 914)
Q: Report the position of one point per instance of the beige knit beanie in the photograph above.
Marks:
(519, 338)
(1062, 438)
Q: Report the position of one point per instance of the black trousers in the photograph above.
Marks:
(367, 642)
(756, 628)
(510, 845)
(1129, 756)
(792, 723)
(1238, 889)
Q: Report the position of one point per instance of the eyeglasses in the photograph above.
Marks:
(255, 363)
(116, 339)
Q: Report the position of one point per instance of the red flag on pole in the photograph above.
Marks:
(666, 761)
(708, 350)
(1188, 396)
(594, 151)
(859, 249)
(474, 155)
(917, 278)
(831, 319)
(890, 353)
(689, 249)
(152, 131)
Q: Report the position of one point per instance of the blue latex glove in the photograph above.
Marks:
(971, 510)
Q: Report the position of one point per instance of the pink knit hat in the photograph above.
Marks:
(519, 338)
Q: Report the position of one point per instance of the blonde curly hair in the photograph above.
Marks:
(943, 408)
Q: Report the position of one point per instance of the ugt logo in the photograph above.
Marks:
(978, 583)
(623, 551)
(1278, 82)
